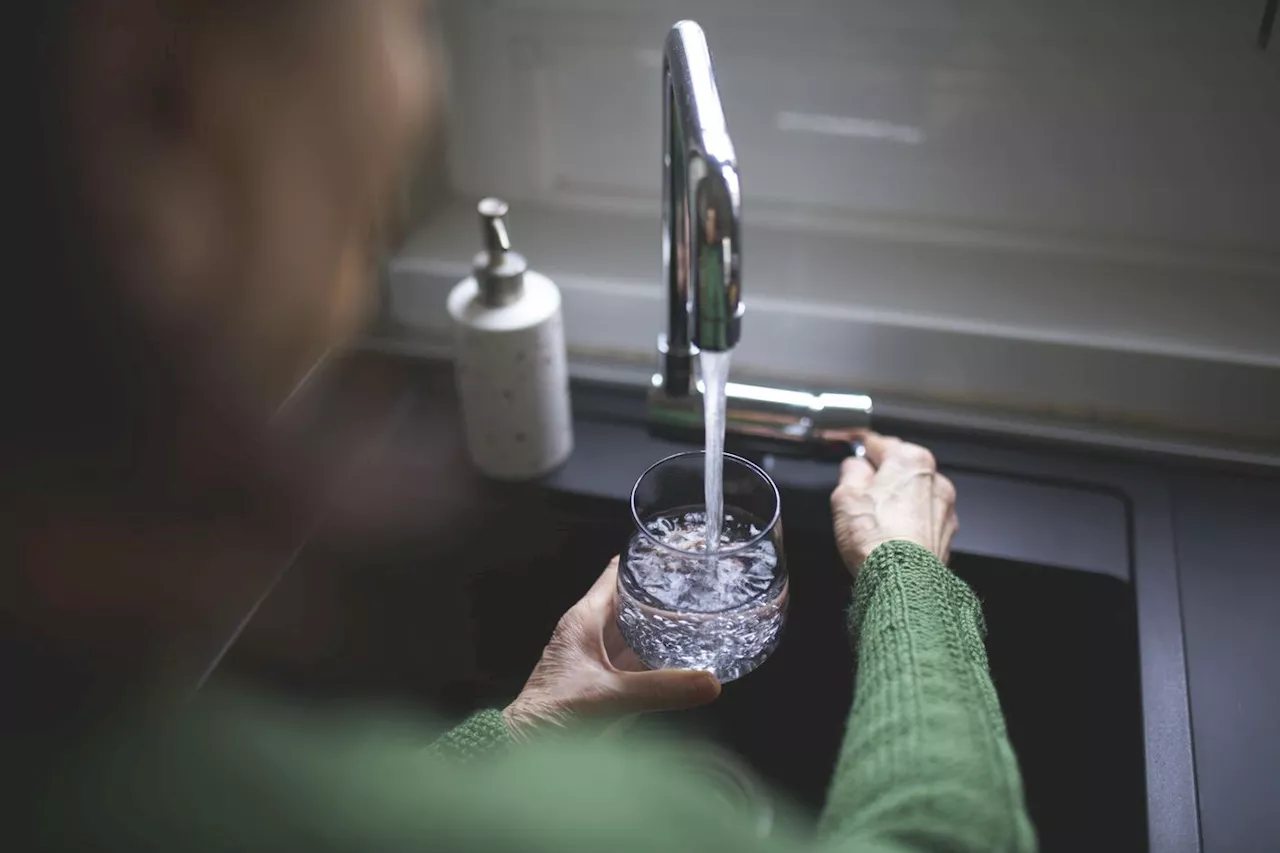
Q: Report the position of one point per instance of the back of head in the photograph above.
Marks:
(204, 184)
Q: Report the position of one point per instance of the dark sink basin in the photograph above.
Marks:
(384, 612)
(1062, 646)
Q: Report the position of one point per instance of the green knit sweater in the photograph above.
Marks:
(925, 766)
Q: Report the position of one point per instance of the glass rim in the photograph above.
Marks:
(765, 529)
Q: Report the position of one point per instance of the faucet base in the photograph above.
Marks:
(773, 415)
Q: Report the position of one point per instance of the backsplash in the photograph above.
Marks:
(1066, 210)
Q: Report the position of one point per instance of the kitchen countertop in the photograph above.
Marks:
(1204, 534)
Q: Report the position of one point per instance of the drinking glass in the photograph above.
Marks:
(682, 607)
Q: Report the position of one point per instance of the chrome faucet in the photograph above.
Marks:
(702, 268)
(701, 212)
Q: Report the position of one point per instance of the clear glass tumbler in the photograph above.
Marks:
(678, 605)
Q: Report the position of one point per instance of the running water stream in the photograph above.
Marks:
(715, 374)
(705, 587)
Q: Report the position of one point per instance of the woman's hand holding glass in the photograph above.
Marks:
(588, 671)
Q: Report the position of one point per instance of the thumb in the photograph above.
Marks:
(665, 690)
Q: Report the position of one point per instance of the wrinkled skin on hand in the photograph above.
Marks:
(588, 671)
(894, 492)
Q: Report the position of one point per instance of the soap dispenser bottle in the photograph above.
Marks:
(512, 376)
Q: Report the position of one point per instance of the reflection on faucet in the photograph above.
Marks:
(702, 267)
(714, 291)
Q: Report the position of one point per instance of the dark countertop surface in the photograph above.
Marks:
(345, 619)
(1226, 530)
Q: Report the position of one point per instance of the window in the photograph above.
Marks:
(1070, 210)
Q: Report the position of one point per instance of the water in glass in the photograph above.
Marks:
(678, 607)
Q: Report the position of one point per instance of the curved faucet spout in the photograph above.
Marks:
(701, 212)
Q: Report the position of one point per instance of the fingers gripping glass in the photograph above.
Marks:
(679, 606)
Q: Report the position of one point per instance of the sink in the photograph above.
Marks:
(349, 620)
(1062, 645)
(1064, 657)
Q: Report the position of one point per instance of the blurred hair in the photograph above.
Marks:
(102, 415)
(97, 399)
(83, 371)
(58, 323)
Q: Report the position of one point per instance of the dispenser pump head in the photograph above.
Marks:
(498, 270)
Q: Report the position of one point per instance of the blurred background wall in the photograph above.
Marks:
(1033, 212)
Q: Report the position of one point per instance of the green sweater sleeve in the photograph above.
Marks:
(926, 762)
(482, 734)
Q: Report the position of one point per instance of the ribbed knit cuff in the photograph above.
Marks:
(482, 734)
(917, 574)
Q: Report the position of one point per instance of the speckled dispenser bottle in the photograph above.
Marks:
(512, 376)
